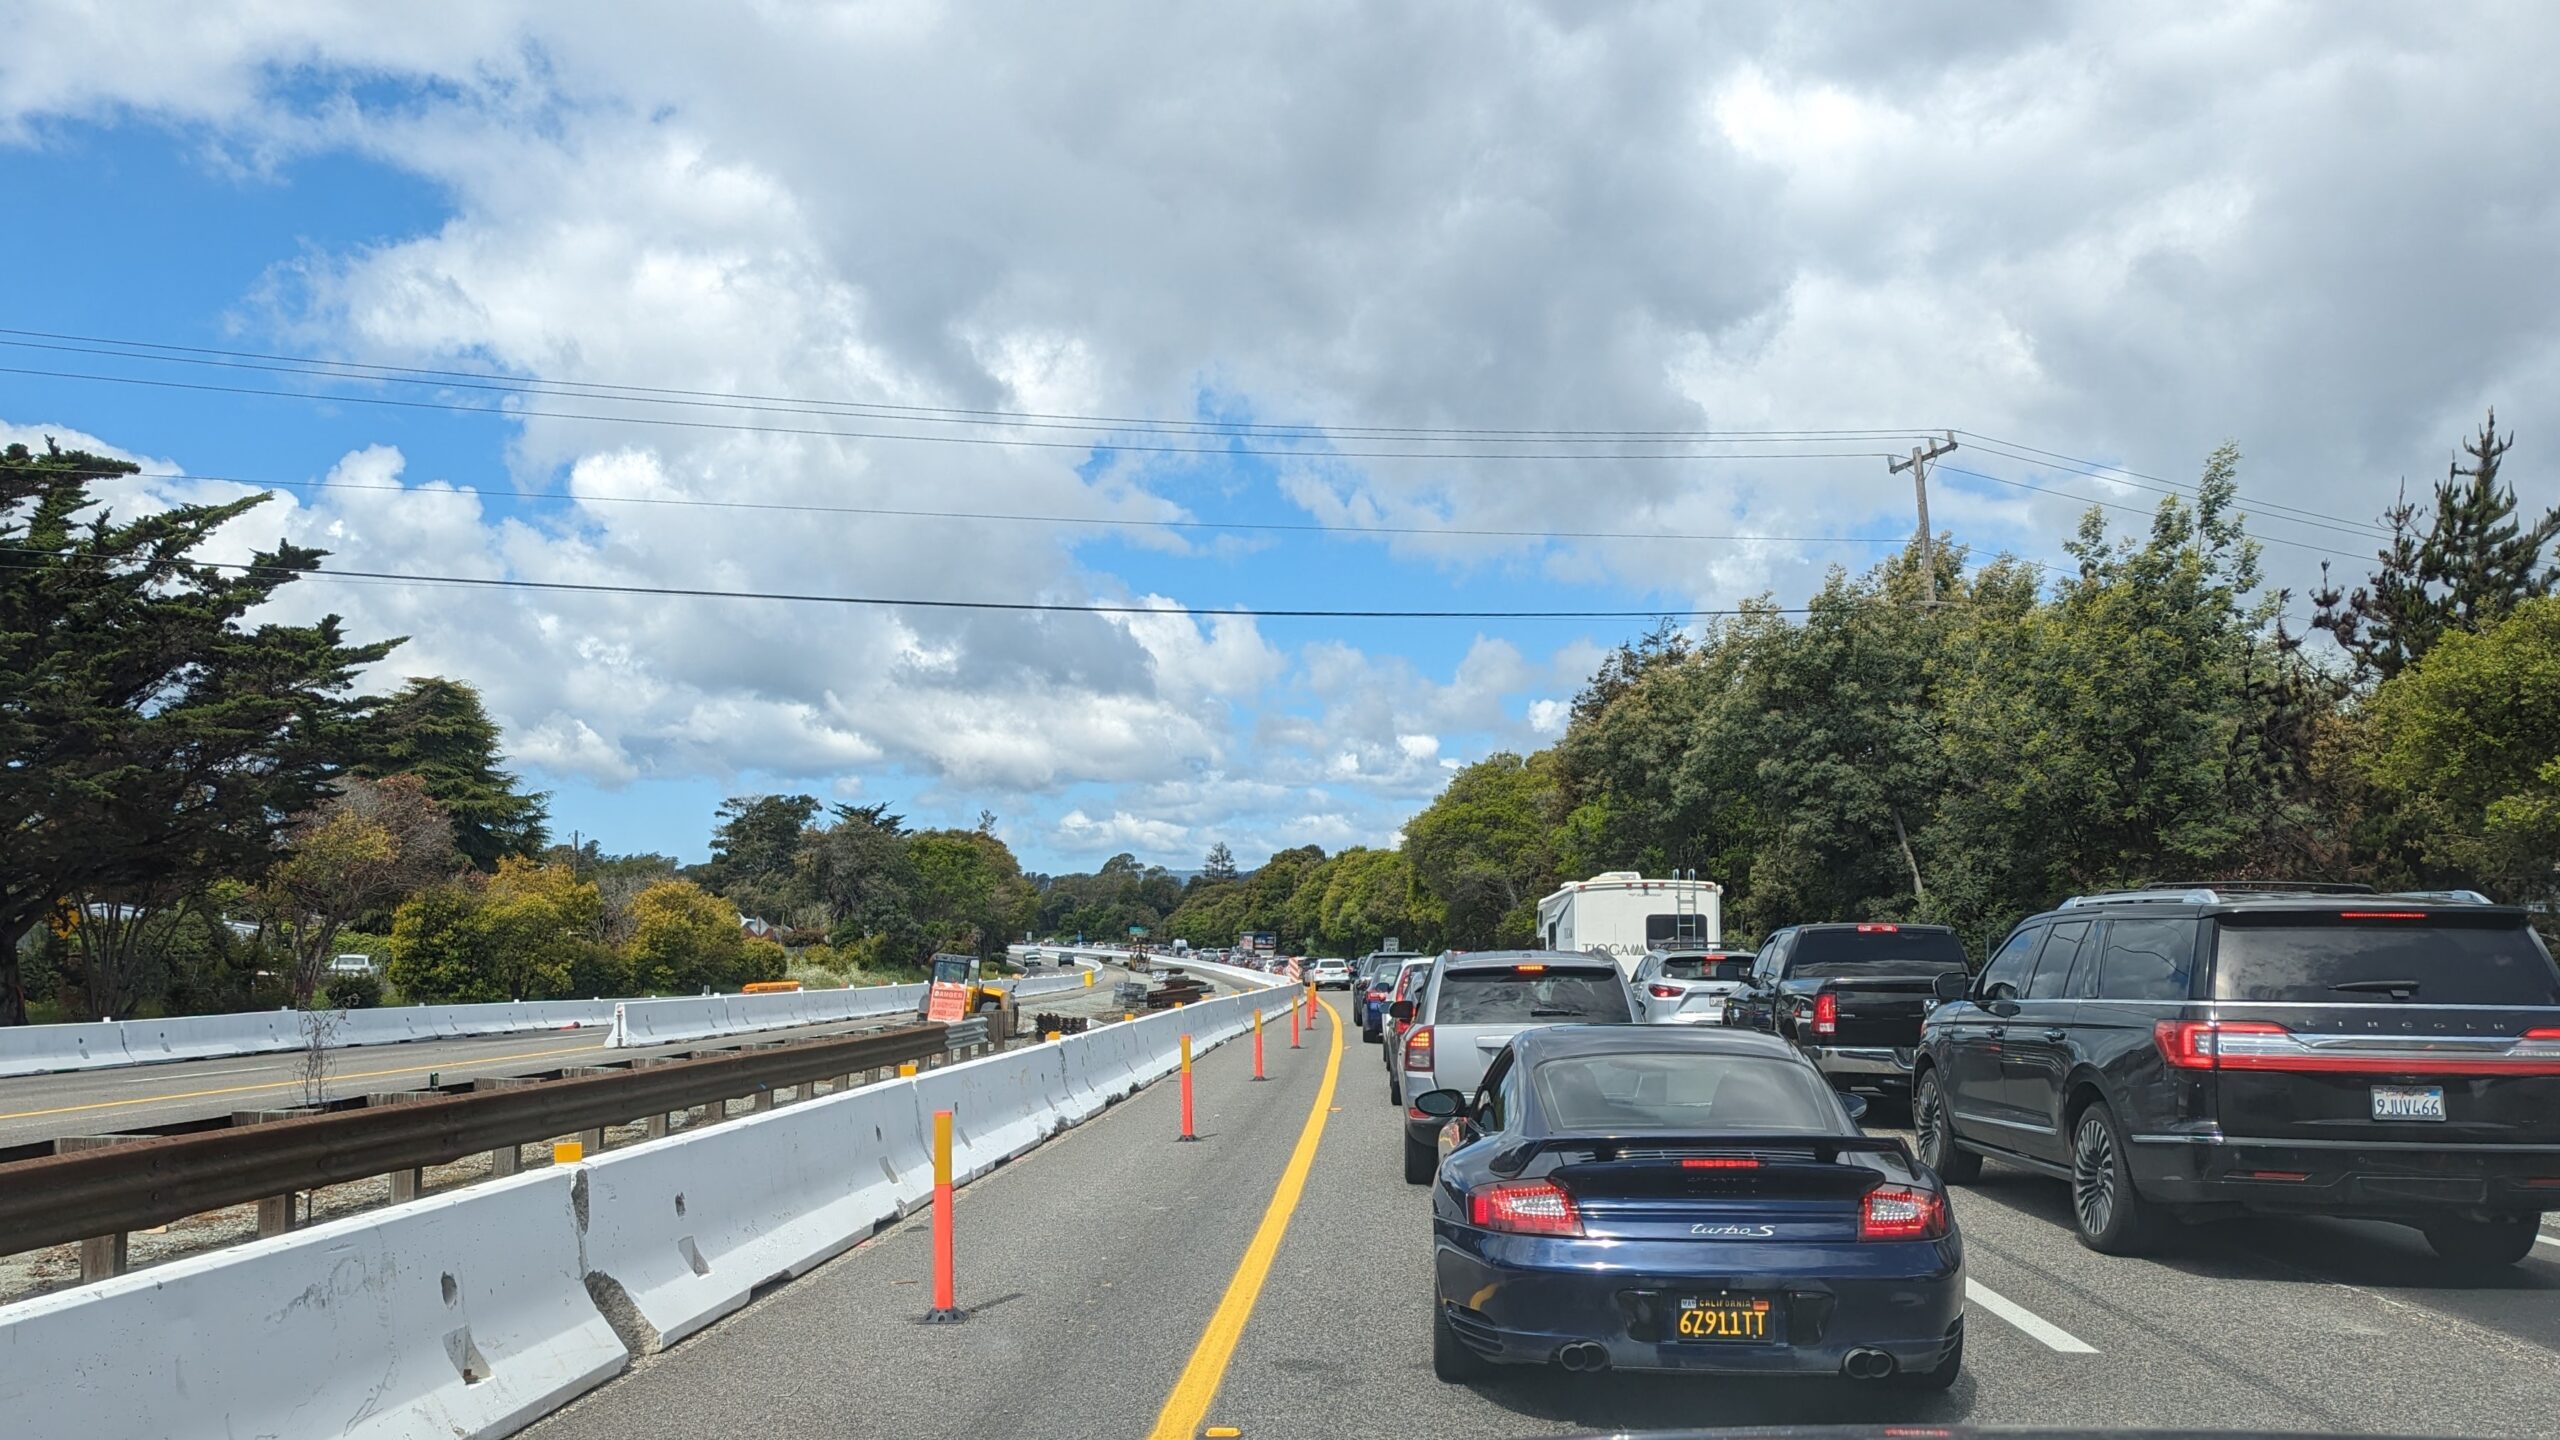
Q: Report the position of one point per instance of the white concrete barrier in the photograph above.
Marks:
(458, 1315)
(680, 1232)
(657, 1022)
(1001, 1105)
(37, 1049)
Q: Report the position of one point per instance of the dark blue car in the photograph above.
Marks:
(1652, 1198)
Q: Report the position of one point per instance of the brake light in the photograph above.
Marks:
(1879, 929)
(1417, 1049)
(2382, 914)
(1899, 1212)
(1664, 992)
(1826, 1014)
(1721, 1162)
(2197, 1044)
(1524, 1207)
(1528, 969)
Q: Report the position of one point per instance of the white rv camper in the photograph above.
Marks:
(1621, 914)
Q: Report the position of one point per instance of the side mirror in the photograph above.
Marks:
(1856, 1105)
(1953, 985)
(1402, 1010)
(1441, 1104)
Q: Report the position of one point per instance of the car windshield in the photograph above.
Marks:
(1494, 996)
(1706, 967)
(2336, 960)
(1878, 950)
(1684, 1091)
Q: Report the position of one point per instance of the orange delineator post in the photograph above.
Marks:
(946, 1306)
(1257, 1047)
(1186, 1091)
(1311, 1005)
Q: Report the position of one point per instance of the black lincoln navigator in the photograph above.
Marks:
(2210, 1051)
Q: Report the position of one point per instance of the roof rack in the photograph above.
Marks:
(2261, 887)
(2216, 891)
(2448, 897)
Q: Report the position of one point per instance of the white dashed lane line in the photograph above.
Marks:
(2044, 1332)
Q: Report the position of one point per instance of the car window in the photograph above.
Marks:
(1484, 997)
(1685, 1091)
(2145, 959)
(1874, 949)
(1659, 928)
(2005, 977)
(1489, 1099)
(1705, 967)
(2054, 964)
(2444, 961)
(1773, 958)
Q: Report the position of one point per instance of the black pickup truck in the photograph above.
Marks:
(1851, 996)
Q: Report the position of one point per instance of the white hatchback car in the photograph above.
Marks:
(1687, 987)
(1332, 973)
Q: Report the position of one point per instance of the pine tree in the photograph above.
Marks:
(437, 730)
(1219, 864)
(2476, 562)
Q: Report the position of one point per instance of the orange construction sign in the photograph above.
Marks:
(946, 1002)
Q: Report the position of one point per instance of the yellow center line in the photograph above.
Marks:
(1188, 1405)
(295, 1083)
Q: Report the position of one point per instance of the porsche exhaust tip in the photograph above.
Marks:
(1863, 1364)
(1583, 1358)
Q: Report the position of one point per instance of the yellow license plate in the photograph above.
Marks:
(1734, 1318)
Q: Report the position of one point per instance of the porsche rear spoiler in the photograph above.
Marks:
(1827, 1148)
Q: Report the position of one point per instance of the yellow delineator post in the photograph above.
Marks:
(906, 1069)
(567, 1152)
(1257, 1046)
(946, 1308)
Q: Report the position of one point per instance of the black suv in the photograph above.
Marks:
(2197, 1052)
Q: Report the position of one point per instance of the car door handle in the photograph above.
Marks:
(1995, 1031)
(2057, 1036)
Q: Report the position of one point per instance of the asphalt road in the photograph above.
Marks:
(131, 1097)
(1093, 1267)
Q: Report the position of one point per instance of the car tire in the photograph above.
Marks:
(1934, 1126)
(2483, 1243)
(2107, 1213)
(1395, 1093)
(1451, 1360)
(1941, 1378)
(1421, 1161)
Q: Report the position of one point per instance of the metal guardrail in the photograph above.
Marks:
(122, 1187)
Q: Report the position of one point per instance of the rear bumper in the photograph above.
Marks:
(1862, 1066)
(2380, 1181)
(1908, 1304)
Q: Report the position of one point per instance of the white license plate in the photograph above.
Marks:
(2408, 1102)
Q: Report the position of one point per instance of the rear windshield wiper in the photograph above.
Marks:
(2391, 986)
(1535, 1014)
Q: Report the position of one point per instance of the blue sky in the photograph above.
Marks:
(1653, 223)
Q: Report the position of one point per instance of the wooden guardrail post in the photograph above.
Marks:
(100, 1255)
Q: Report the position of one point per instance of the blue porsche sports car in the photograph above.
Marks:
(1666, 1198)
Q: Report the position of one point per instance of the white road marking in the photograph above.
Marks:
(2547, 1238)
(2044, 1332)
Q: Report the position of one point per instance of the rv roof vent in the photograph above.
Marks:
(1618, 875)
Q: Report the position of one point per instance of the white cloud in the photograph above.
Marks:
(2086, 225)
(1080, 833)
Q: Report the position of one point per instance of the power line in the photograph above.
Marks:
(1099, 521)
(2100, 470)
(519, 412)
(2134, 509)
(493, 582)
(585, 389)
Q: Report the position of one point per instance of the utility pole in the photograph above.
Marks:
(1918, 465)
